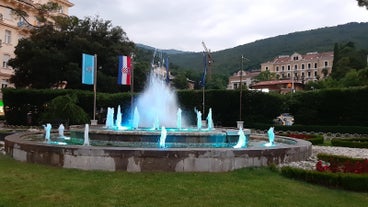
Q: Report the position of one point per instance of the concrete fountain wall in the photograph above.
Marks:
(154, 159)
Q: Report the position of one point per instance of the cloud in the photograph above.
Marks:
(183, 24)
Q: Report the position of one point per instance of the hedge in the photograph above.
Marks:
(332, 108)
(347, 181)
(350, 142)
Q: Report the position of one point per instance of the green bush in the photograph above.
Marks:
(351, 142)
(64, 109)
(347, 181)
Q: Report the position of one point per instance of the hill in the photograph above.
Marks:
(320, 40)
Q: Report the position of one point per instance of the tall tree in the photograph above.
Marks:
(52, 55)
(363, 3)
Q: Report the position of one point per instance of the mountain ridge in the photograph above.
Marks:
(315, 40)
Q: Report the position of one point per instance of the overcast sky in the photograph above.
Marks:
(221, 24)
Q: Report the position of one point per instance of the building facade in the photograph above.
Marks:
(14, 28)
(246, 78)
(308, 67)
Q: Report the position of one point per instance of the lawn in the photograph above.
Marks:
(25, 184)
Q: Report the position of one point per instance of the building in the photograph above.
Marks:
(13, 28)
(279, 86)
(245, 77)
(309, 67)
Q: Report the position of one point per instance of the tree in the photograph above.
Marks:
(52, 55)
(266, 76)
(180, 81)
(347, 58)
(42, 11)
(363, 3)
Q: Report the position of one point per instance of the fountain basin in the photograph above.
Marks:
(139, 159)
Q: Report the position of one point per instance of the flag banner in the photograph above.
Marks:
(203, 81)
(88, 69)
(124, 73)
(167, 70)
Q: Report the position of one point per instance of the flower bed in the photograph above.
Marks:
(342, 164)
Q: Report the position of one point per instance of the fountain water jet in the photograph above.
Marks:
(163, 137)
(86, 135)
(157, 101)
(242, 140)
(47, 128)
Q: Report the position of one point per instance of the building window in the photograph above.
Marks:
(309, 65)
(326, 63)
(7, 38)
(4, 84)
(295, 58)
(315, 73)
(309, 74)
(5, 61)
(288, 75)
(277, 68)
(315, 65)
(288, 67)
(295, 67)
(266, 67)
(282, 68)
(302, 66)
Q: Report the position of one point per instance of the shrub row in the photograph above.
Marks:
(312, 128)
(351, 142)
(329, 108)
(315, 139)
(347, 181)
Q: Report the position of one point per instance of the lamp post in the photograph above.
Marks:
(240, 122)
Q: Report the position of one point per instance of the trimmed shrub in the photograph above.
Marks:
(351, 142)
(347, 181)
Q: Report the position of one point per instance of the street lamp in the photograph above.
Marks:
(240, 122)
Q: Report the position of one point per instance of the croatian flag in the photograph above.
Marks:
(88, 67)
(124, 73)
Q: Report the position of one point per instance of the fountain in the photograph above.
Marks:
(242, 142)
(199, 119)
(209, 120)
(178, 119)
(142, 146)
(163, 137)
(271, 137)
(47, 128)
(86, 135)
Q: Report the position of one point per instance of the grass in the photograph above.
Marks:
(25, 184)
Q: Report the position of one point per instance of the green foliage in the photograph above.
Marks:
(337, 158)
(64, 108)
(347, 181)
(350, 142)
(347, 58)
(50, 56)
(266, 76)
(321, 40)
(70, 187)
(330, 107)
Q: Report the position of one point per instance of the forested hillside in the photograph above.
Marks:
(320, 40)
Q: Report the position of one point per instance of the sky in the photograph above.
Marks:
(220, 24)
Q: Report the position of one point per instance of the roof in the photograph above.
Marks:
(275, 82)
(307, 56)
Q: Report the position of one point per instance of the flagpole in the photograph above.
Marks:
(132, 82)
(94, 122)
